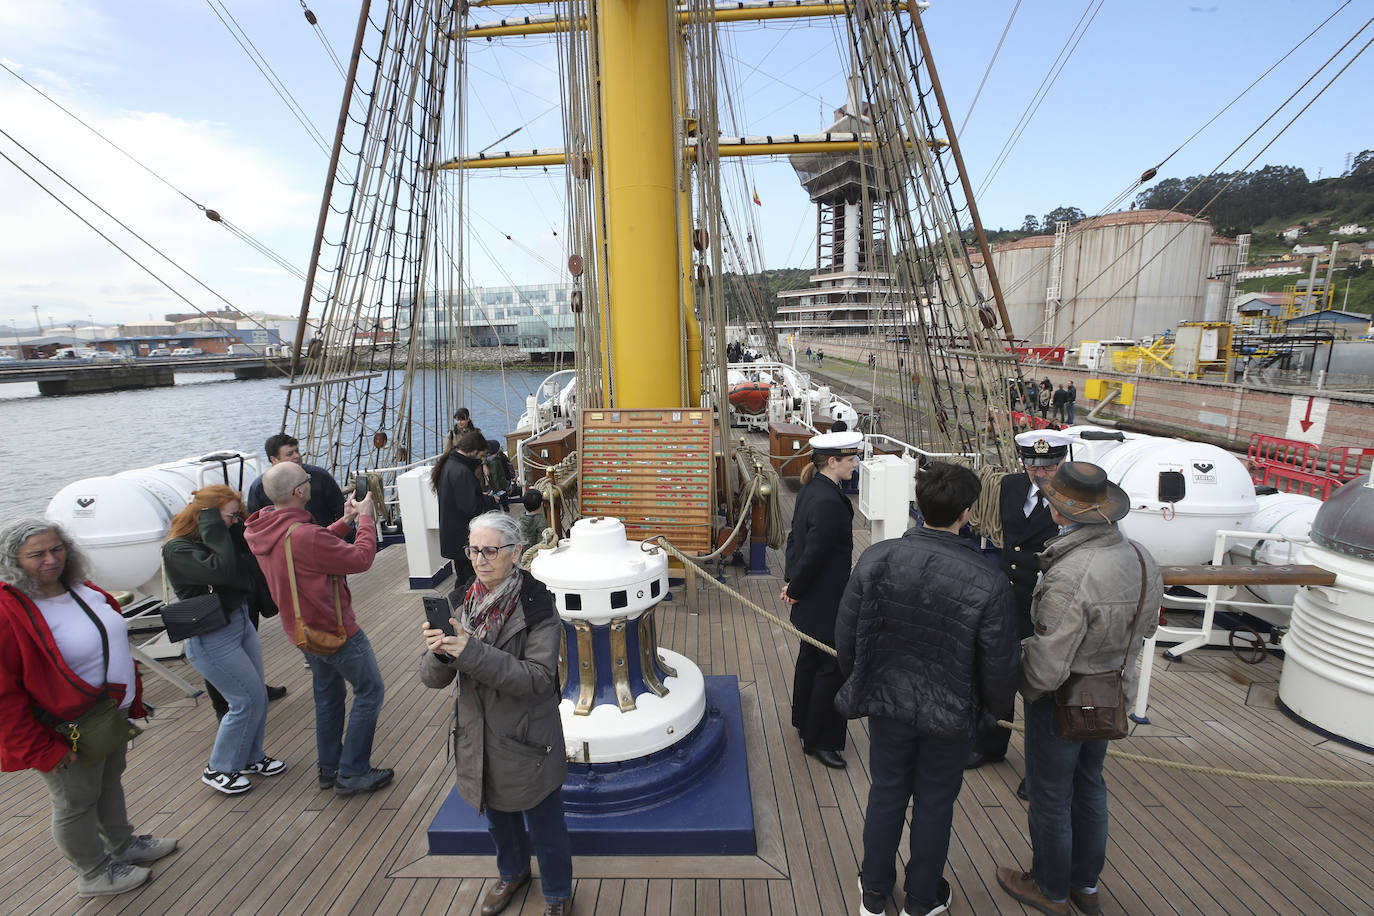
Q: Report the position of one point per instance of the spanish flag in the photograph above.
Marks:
(756, 197)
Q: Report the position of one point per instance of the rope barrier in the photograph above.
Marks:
(1111, 752)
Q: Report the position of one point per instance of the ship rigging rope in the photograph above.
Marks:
(1175, 208)
(1359, 784)
(983, 82)
(1234, 178)
(145, 268)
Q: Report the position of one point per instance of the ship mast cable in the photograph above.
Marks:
(986, 73)
(1138, 182)
(319, 33)
(272, 80)
(112, 242)
(231, 227)
(1237, 175)
(127, 228)
(1051, 77)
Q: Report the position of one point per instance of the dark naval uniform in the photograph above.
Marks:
(1023, 537)
(819, 552)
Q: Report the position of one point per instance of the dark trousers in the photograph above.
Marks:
(542, 830)
(906, 766)
(814, 685)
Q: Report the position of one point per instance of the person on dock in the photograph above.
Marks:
(926, 640)
(1060, 403)
(508, 737)
(1026, 526)
(305, 566)
(457, 480)
(1095, 583)
(1044, 398)
(205, 552)
(820, 549)
(1073, 399)
(64, 656)
(326, 499)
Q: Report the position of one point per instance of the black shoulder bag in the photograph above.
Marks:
(1092, 707)
(195, 616)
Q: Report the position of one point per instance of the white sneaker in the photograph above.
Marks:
(267, 766)
(146, 848)
(228, 783)
(116, 878)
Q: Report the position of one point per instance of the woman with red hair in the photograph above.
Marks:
(205, 553)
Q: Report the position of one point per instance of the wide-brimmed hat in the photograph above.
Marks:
(1082, 493)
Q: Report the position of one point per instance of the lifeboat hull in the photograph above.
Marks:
(749, 397)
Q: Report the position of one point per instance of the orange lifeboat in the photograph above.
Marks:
(749, 397)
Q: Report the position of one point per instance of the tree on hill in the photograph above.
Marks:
(1071, 214)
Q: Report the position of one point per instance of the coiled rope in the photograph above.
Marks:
(1111, 752)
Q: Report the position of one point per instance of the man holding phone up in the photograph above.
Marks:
(312, 584)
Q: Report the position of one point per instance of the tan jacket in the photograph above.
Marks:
(508, 734)
(1088, 592)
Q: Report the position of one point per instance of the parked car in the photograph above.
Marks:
(187, 351)
(159, 351)
(105, 355)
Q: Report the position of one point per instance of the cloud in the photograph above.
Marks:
(53, 260)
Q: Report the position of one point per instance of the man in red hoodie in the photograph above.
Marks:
(322, 558)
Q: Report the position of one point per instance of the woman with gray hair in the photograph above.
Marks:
(508, 734)
(64, 651)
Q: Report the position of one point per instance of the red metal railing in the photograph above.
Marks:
(1299, 467)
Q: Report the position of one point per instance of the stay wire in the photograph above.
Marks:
(996, 51)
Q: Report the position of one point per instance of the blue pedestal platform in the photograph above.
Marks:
(689, 799)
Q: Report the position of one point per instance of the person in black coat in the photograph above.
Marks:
(820, 550)
(457, 482)
(1026, 526)
(925, 636)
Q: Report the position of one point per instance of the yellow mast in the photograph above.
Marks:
(643, 272)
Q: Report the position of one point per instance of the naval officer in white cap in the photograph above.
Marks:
(820, 550)
(1026, 526)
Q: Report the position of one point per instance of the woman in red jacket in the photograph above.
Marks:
(63, 648)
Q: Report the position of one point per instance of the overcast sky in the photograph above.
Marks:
(166, 80)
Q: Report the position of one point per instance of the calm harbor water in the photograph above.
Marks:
(49, 442)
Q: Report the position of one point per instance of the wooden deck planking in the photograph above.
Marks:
(1180, 843)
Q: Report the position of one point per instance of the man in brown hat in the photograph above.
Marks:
(1093, 581)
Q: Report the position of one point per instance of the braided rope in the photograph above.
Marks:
(1111, 752)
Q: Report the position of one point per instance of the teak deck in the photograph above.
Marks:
(1180, 842)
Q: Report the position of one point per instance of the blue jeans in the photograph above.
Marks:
(904, 765)
(1068, 805)
(348, 755)
(231, 659)
(547, 833)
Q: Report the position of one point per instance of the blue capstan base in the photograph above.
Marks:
(1325, 733)
(758, 558)
(421, 582)
(689, 799)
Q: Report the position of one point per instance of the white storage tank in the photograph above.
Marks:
(121, 521)
(1181, 493)
(1328, 669)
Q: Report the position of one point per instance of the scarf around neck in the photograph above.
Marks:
(486, 610)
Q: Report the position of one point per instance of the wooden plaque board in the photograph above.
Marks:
(650, 468)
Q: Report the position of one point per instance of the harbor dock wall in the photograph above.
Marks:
(1222, 413)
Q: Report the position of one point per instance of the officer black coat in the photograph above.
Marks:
(820, 549)
(1023, 537)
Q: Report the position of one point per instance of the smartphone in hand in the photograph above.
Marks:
(360, 487)
(438, 612)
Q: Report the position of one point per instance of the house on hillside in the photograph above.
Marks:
(1291, 233)
(1307, 251)
(1351, 229)
(1269, 269)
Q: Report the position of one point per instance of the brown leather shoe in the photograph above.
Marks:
(1022, 886)
(499, 897)
(1087, 903)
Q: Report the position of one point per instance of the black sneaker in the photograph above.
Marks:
(327, 779)
(370, 781)
(871, 904)
(917, 908)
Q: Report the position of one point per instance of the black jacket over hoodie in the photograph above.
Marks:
(926, 635)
